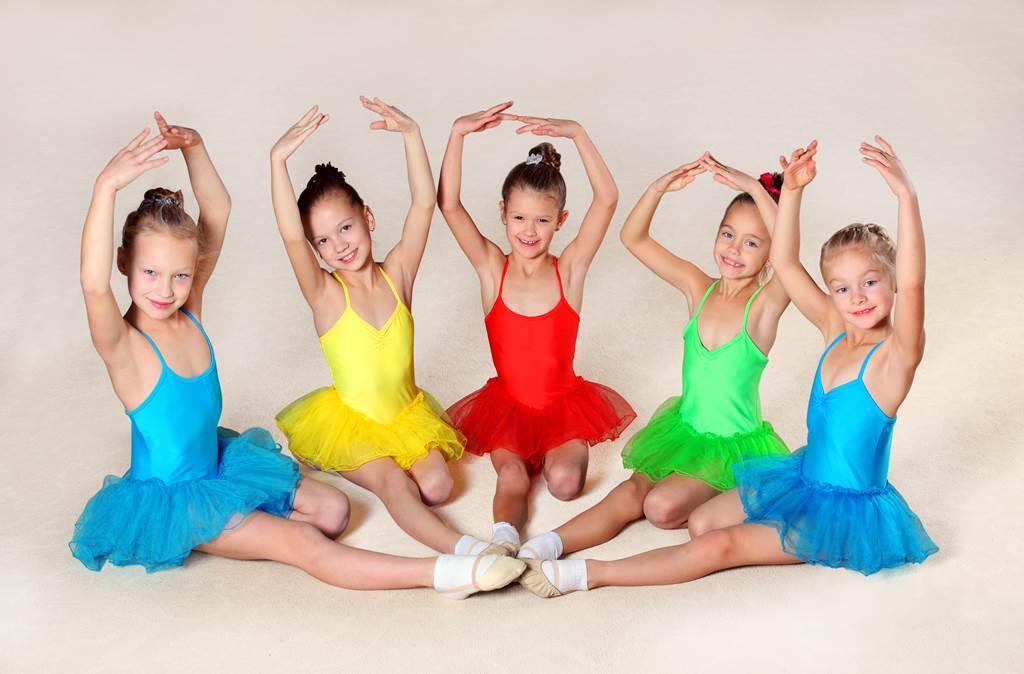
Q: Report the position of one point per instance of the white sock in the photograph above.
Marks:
(568, 575)
(503, 532)
(453, 574)
(545, 546)
(469, 545)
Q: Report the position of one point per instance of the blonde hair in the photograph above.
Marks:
(869, 236)
(161, 210)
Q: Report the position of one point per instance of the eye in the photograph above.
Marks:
(149, 272)
(726, 235)
(840, 290)
(870, 282)
(321, 242)
(752, 244)
(517, 217)
(345, 228)
(181, 277)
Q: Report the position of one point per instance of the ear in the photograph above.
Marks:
(501, 211)
(561, 220)
(122, 260)
(371, 222)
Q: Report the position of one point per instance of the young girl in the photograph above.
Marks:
(830, 502)
(537, 412)
(192, 485)
(374, 426)
(684, 455)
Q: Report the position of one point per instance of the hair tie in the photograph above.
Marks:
(768, 182)
(534, 159)
(162, 201)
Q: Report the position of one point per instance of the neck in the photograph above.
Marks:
(728, 287)
(144, 322)
(859, 336)
(530, 266)
(364, 277)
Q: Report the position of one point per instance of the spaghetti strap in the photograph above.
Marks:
(561, 291)
(864, 365)
(504, 270)
(704, 299)
(348, 300)
(199, 325)
(746, 310)
(159, 355)
(390, 284)
(827, 349)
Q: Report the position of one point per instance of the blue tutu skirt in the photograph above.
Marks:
(819, 523)
(157, 525)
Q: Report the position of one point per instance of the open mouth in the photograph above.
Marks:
(732, 264)
(529, 243)
(348, 258)
(863, 312)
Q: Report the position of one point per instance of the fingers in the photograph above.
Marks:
(305, 119)
(160, 121)
(875, 153)
(379, 125)
(134, 142)
(147, 150)
(153, 163)
(527, 128)
(497, 108)
(885, 144)
(782, 162)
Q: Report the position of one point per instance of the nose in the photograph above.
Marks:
(166, 288)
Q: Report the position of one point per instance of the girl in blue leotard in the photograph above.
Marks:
(830, 502)
(190, 484)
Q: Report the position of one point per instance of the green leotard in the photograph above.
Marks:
(717, 421)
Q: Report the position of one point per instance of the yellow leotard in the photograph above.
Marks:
(374, 409)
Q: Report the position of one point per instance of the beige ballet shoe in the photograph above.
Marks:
(504, 549)
(534, 580)
(500, 573)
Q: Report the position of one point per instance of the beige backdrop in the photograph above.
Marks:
(655, 84)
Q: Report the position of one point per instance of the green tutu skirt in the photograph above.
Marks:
(667, 445)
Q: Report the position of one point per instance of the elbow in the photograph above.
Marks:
(449, 206)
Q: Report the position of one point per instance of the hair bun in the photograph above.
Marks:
(327, 171)
(160, 196)
(548, 155)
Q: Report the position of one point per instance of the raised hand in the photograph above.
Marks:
(483, 120)
(884, 159)
(546, 126)
(800, 169)
(132, 160)
(728, 176)
(297, 134)
(678, 178)
(178, 137)
(394, 119)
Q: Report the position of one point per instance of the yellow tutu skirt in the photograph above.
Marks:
(331, 436)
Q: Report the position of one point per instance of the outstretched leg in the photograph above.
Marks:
(604, 521)
(401, 496)
(670, 502)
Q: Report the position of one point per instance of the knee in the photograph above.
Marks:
(435, 487)
(662, 511)
(699, 523)
(397, 484)
(333, 514)
(717, 545)
(514, 477)
(564, 482)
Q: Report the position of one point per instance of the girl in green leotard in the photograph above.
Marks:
(684, 455)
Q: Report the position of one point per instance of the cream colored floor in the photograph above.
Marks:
(655, 84)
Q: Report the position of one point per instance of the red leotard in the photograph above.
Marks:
(537, 402)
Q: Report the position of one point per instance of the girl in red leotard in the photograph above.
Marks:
(537, 413)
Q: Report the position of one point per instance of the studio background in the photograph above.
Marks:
(655, 84)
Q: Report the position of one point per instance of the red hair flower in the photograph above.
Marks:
(768, 181)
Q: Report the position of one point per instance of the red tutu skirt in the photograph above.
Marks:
(492, 419)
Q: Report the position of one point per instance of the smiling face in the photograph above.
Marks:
(160, 268)
(742, 244)
(531, 219)
(861, 286)
(340, 232)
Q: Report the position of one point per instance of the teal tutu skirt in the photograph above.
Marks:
(820, 523)
(157, 525)
(668, 445)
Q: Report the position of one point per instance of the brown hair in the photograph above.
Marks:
(542, 175)
(326, 180)
(872, 237)
(161, 210)
(745, 198)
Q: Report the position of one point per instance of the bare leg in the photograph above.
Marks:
(739, 545)
(321, 505)
(511, 489)
(724, 510)
(565, 469)
(401, 496)
(622, 505)
(432, 477)
(264, 536)
(670, 503)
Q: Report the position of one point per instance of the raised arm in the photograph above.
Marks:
(481, 251)
(636, 235)
(766, 207)
(289, 224)
(107, 327)
(580, 252)
(213, 198)
(908, 321)
(408, 252)
(812, 302)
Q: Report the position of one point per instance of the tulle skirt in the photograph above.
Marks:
(157, 525)
(820, 523)
(491, 419)
(668, 445)
(331, 436)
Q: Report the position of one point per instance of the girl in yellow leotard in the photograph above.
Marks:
(374, 426)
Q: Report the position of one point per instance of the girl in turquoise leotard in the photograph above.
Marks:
(830, 502)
